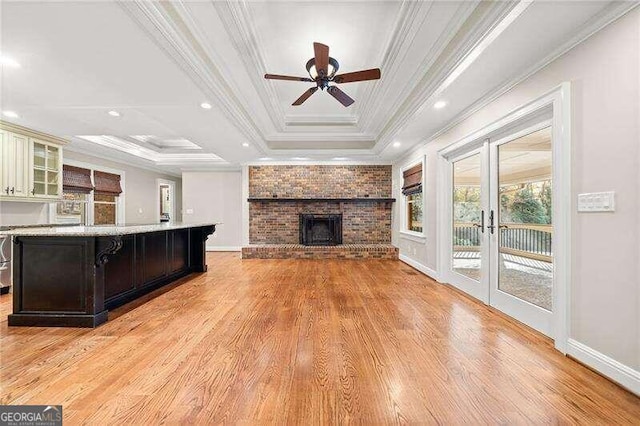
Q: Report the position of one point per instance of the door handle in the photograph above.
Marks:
(33, 191)
(13, 189)
(6, 190)
(481, 224)
(491, 226)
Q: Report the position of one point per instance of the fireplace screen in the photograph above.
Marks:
(320, 229)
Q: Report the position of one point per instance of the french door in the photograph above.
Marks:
(502, 225)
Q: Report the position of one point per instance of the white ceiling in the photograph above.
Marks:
(156, 62)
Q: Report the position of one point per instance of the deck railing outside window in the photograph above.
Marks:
(522, 239)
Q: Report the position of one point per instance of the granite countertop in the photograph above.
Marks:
(98, 231)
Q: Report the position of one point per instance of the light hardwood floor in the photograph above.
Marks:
(304, 342)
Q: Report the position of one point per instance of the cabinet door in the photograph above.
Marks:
(20, 171)
(15, 174)
(39, 168)
(4, 163)
(54, 177)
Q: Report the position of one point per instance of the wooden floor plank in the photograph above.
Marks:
(304, 342)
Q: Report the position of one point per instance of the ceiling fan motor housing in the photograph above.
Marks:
(321, 77)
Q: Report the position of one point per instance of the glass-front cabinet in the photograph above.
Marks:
(46, 170)
(31, 164)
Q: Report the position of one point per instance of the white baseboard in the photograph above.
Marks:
(223, 248)
(420, 267)
(622, 374)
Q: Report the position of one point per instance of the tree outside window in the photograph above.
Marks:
(414, 212)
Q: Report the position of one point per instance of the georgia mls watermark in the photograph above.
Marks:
(30, 415)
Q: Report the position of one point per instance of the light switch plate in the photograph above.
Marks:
(596, 202)
(189, 211)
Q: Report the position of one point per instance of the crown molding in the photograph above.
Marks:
(320, 121)
(406, 28)
(16, 128)
(373, 162)
(317, 137)
(139, 163)
(591, 27)
(240, 26)
(172, 28)
(473, 29)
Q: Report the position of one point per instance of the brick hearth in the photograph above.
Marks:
(298, 251)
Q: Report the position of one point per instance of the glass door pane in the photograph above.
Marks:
(525, 256)
(467, 217)
(39, 156)
(52, 158)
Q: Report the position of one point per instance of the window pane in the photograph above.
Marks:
(467, 215)
(108, 198)
(525, 220)
(414, 212)
(72, 209)
(104, 214)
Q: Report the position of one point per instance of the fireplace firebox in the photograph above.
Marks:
(320, 229)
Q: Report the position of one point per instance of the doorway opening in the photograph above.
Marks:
(166, 201)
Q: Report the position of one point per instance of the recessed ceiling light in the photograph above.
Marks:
(10, 114)
(114, 113)
(265, 158)
(300, 158)
(10, 62)
(440, 104)
(205, 105)
(396, 144)
(340, 158)
(245, 144)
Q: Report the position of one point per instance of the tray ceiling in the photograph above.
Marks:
(155, 63)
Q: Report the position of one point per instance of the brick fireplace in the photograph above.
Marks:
(281, 196)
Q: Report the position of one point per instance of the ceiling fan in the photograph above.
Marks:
(322, 70)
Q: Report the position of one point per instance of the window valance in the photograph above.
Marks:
(412, 180)
(76, 179)
(107, 183)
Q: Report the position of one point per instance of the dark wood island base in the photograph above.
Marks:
(72, 280)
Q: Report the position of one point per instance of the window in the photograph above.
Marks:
(105, 198)
(76, 187)
(84, 204)
(414, 212)
(72, 208)
(412, 190)
(104, 209)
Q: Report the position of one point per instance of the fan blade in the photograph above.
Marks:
(322, 58)
(306, 95)
(285, 77)
(342, 97)
(350, 77)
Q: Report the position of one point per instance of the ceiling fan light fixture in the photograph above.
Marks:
(322, 69)
(331, 69)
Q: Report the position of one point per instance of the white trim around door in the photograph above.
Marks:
(554, 108)
(172, 191)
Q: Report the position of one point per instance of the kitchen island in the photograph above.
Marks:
(71, 276)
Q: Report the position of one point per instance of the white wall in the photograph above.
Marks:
(604, 72)
(217, 197)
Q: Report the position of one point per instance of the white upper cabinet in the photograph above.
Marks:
(31, 164)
